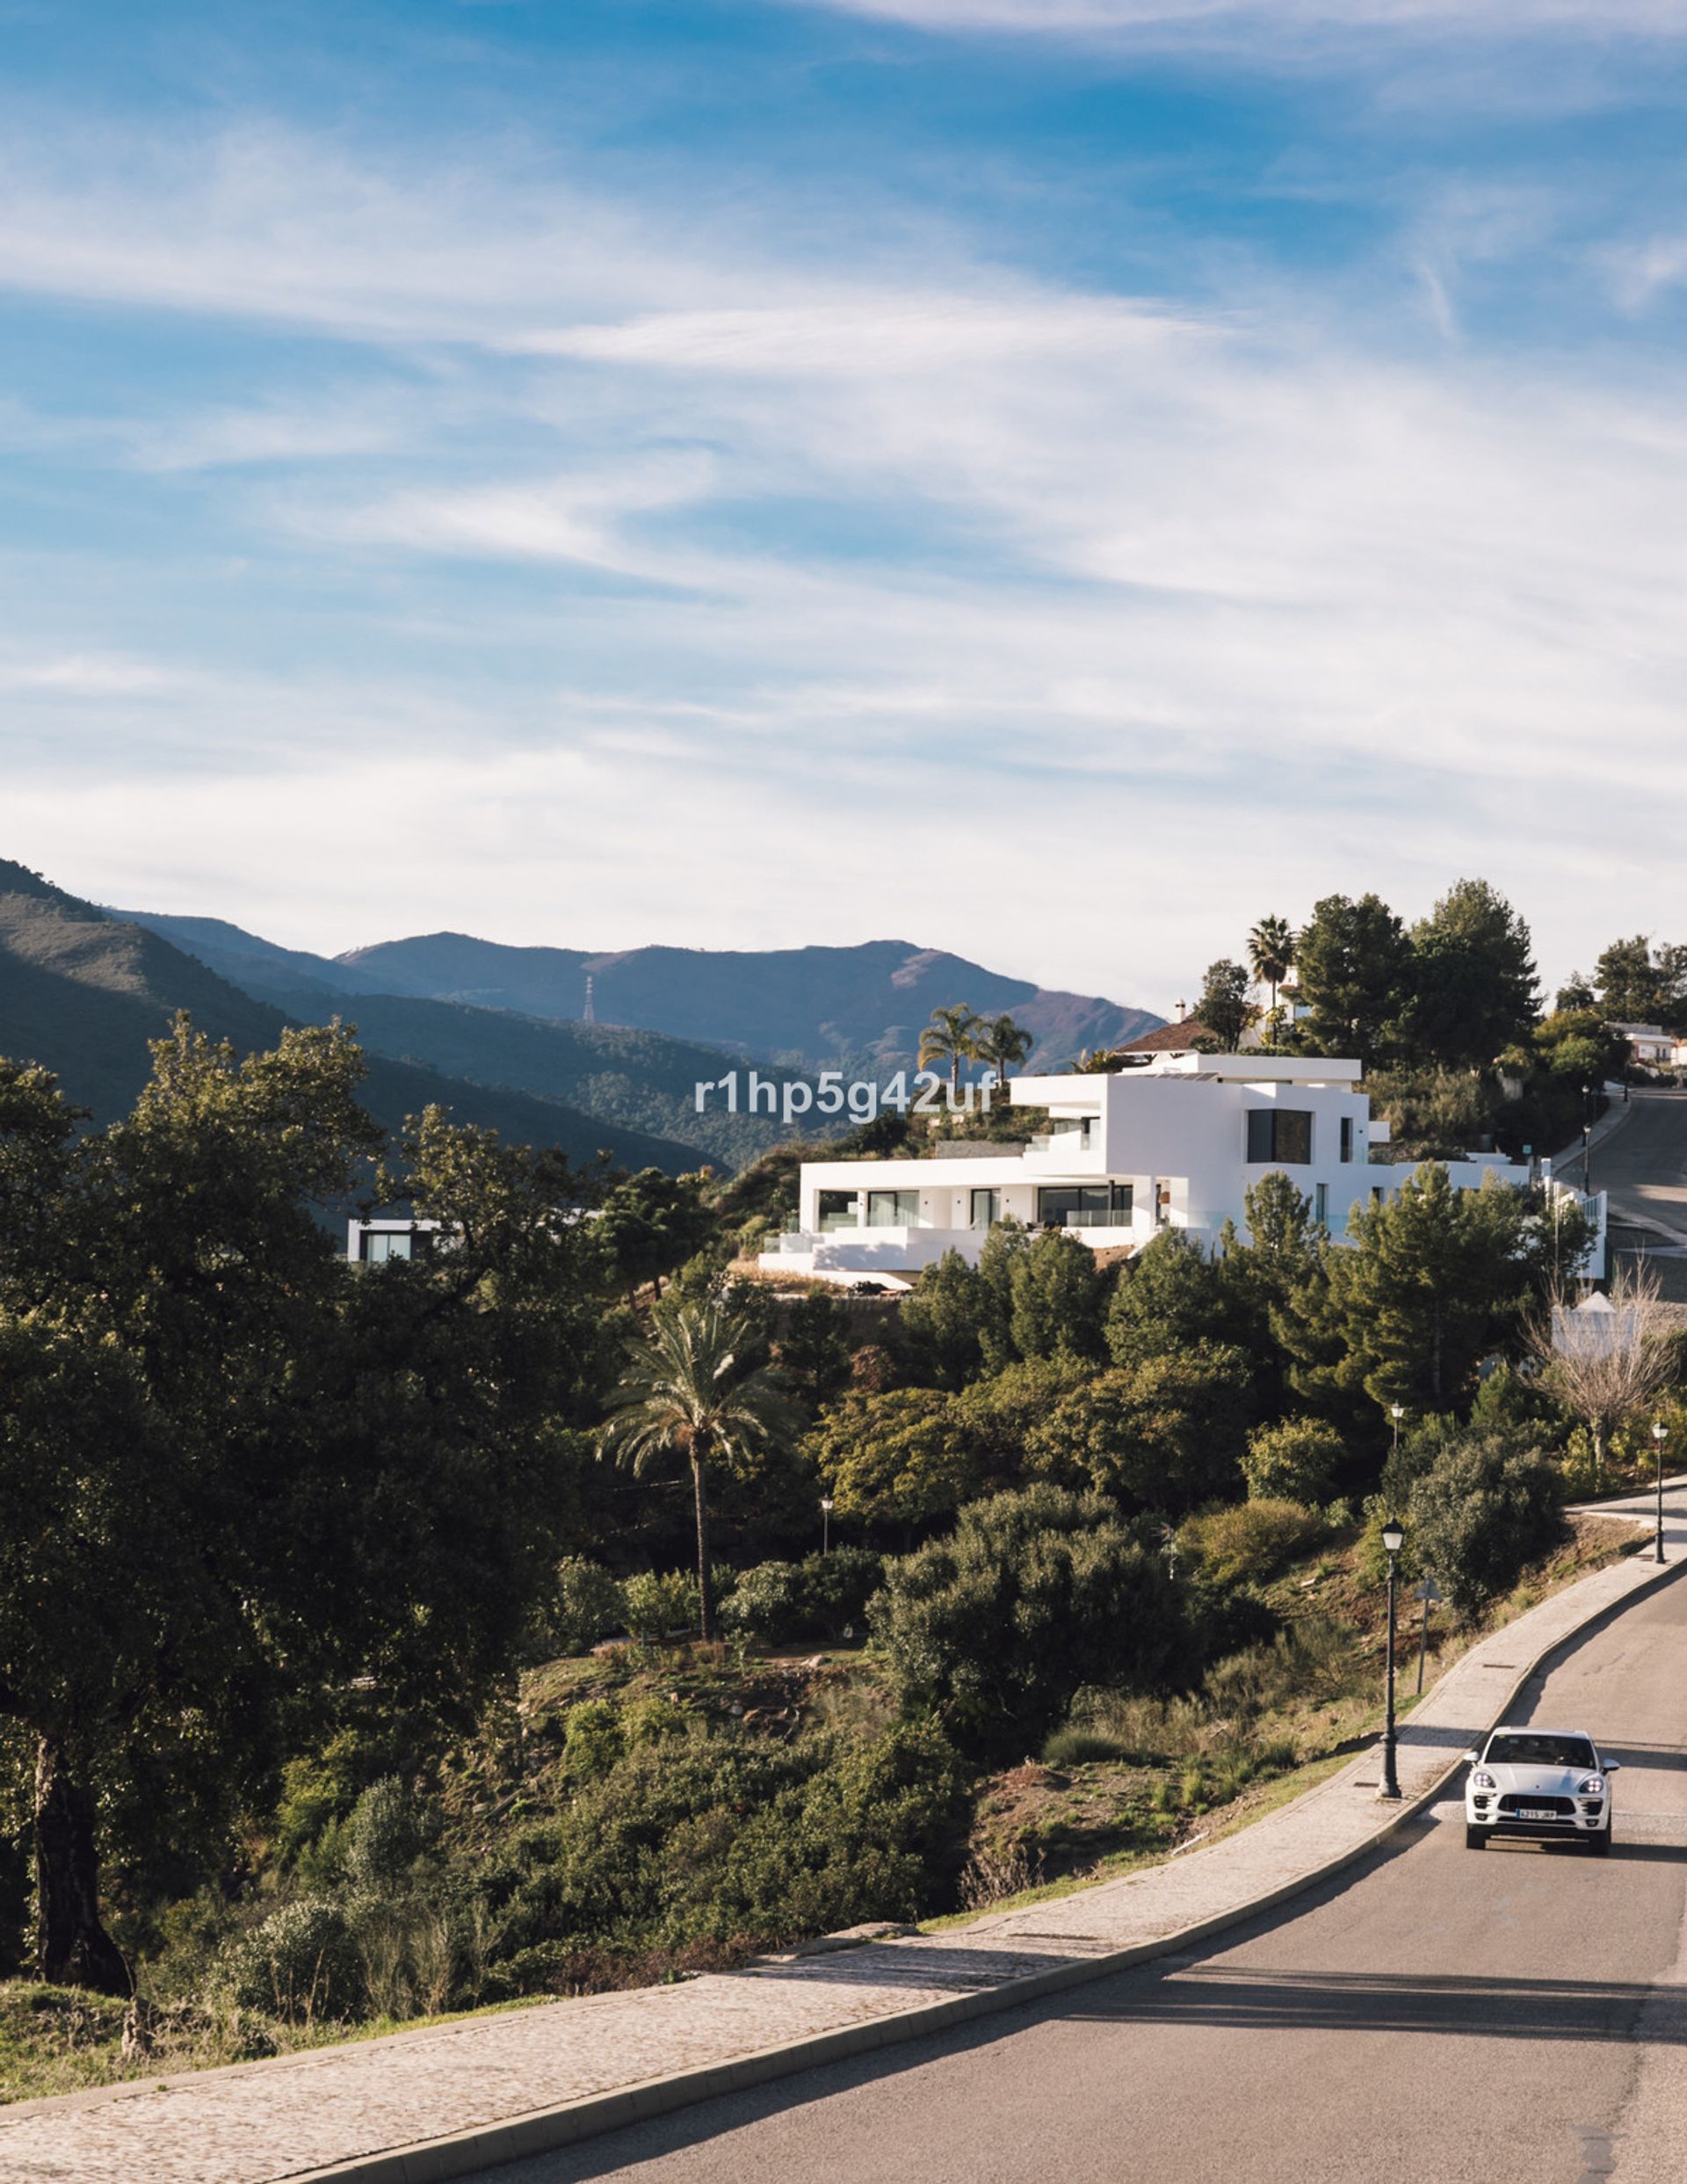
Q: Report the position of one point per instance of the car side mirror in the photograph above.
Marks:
(1613, 1766)
(1472, 1756)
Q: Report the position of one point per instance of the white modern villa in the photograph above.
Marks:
(1175, 1143)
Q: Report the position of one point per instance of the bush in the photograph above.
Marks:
(816, 1598)
(768, 1601)
(1250, 1539)
(389, 1829)
(730, 1838)
(301, 1964)
(1165, 1434)
(1294, 1460)
(656, 1605)
(1031, 1596)
(594, 1738)
(588, 1605)
(1485, 1506)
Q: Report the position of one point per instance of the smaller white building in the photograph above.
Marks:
(1177, 1142)
(371, 1243)
(1649, 1045)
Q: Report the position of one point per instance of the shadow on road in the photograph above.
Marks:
(1517, 2009)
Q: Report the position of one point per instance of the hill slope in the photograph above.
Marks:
(83, 992)
(807, 1007)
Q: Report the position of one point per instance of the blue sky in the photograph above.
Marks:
(1055, 479)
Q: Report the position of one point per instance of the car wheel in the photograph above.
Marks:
(1599, 1843)
(1475, 1838)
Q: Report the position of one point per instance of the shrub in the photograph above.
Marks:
(388, 1831)
(1293, 1460)
(728, 1838)
(838, 1586)
(1487, 1505)
(1164, 1434)
(300, 1964)
(594, 1738)
(588, 1605)
(1250, 1539)
(656, 1605)
(768, 1601)
(899, 1458)
(1033, 1595)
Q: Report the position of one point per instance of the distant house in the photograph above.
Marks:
(1168, 1039)
(1175, 1141)
(1649, 1046)
(371, 1243)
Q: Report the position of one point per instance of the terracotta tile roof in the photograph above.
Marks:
(1170, 1038)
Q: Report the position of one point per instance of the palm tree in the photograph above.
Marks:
(1001, 1043)
(1271, 952)
(949, 1038)
(687, 1392)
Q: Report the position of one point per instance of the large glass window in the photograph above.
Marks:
(1347, 1137)
(837, 1209)
(986, 1209)
(1084, 1205)
(893, 1209)
(380, 1244)
(1281, 1134)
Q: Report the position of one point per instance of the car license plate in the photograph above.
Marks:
(1535, 1812)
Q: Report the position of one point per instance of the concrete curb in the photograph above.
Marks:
(544, 2130)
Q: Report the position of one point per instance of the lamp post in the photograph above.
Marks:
(1396, 1410)
(825, 1524)
(1660, 1435)
(1393, 1538)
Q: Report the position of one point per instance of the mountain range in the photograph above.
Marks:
(807, 1009)
(497, 1033)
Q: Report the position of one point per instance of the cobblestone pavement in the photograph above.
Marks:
(262, 2122)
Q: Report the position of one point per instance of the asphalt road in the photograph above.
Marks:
(1448, 2014)
(1643, 1165)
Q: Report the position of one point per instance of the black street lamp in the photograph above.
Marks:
(825, 1524)
(1393, 1538)
(1660, 1435)
(1396, 1410)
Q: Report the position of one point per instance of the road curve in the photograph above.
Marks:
(1643, 1166)
(1446, 2014)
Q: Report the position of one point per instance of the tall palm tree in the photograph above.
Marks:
(1001, 1043)
(949, 1038)
(1270, 953)
(688, 1392)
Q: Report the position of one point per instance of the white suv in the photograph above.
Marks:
(1544, 1782)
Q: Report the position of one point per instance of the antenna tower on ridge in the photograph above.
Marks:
(590, 1016)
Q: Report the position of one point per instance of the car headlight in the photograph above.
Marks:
(1594, 1787)
(1482, 1780)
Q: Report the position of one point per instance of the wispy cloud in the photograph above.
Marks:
(1463, 18)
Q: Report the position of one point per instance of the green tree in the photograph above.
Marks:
(1058, 1295)
(1638, 984)
(1487, 1505)
(688, 1392)
(1354, 970)
(1165, 1434)
(1474, 989)
(1031, 1596)
(1171, 1294)
(813, 1352)
(1270, 957)
(899, 1458)
(999, 1416)
(944, 1321)
(1224, 1011)
(950, 1039)
(1296, 1460)
(650, 1223)
(1435, 1279)
(1005, 1249)
(1003, 1044)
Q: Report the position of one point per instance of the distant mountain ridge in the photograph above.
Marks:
(807, 1007)
(81, 992)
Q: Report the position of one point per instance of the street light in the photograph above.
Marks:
(1396, 1410)
(825, 1524)
(1660, 1435)
(1393, 1538)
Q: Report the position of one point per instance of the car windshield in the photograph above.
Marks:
(1529, 1749)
